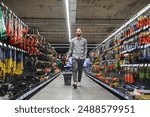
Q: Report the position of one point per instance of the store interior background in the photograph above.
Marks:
(124, 71)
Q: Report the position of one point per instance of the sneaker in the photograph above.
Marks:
(74, 85)
(79, 84)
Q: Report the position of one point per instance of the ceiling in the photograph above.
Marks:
(98, 18)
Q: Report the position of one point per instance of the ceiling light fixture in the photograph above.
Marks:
(68, 19)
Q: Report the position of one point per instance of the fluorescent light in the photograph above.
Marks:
(68, 19)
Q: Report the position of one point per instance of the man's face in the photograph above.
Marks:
(78, 32)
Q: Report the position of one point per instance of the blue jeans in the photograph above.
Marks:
(77, 66)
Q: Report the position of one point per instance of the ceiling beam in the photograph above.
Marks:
(53, 24)
(64, 33)
(62, 22)
(43, 20)
(100, 21)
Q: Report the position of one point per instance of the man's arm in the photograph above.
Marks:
(70, 50)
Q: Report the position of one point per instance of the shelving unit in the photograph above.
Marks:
(125, 54)
(25, 59)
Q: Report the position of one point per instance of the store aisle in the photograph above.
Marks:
(56, 90)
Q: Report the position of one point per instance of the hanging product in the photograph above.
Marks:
(112, 66)
(24, 34)
(22, 66)
(2, 74)
(1, 55)
(13, 39)
(14, 60)
(5, 14)
(144, 38)
(135, 57)
(140, 72)
(143, 20)
(3, 60)
(132, 78)
(9, 25)
(8, 61)
(25, 43)
(33, 50)
(142, 55)
(143, 72)
(3, 35)
(19, 63)
(25, 29)
(148, 53)
(129, 77)
(148, 72)
(135, 72)
(117, 65)
(36, 42)
(139, 23)
(19, 35)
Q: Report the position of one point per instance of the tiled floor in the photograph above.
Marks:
(56, 90)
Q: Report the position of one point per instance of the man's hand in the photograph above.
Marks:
(67, 59)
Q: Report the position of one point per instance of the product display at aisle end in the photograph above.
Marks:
(121, 63)
(26, 59)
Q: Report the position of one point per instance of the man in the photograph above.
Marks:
(78, 51)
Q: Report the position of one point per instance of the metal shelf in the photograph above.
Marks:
(136, 65)
(11, 47)
(110, 88)
(32, 90)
